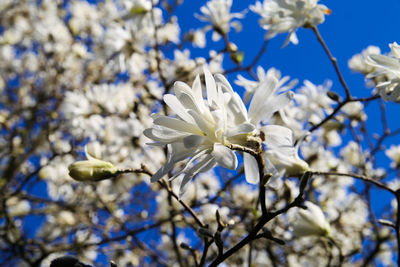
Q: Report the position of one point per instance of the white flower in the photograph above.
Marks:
(279, 16)
(138, 6)
(314, 102)
(355, 112)
(311, 221)
(360, 62)
(217, 12)
(394, 154)
(17, 207)
(352, 154)
(202, 129)
(66, 218)
(389, 66)
(263, 76)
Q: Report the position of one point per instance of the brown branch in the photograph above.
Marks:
(359, 177)
(164, 185)
(265, 218)
(333, 60)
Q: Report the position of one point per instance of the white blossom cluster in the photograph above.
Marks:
(382, 71)
(185, 154)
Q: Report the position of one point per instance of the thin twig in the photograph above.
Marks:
(265, 218)
(359, 177)
(164, 185)
(333, 60)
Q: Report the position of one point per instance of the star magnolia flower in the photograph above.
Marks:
(359, 62)
(279, 16)
(251, 86)
(217, 12)
(389, 66)
(311, 221)
(203, 130)
(393, 152)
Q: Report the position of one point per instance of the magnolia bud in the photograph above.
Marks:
(92, 169)
(311, 221)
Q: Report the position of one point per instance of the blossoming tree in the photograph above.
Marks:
(119, 147)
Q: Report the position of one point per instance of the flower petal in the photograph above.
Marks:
(385, 61)
(178, 125)
(274, 104)
(277, 136)
(261, 95)
(192, 141)
(224, 156)
(163, 135)
(251, 169)
(240, 129)
(210, 86)
(177, 107)
(207, 163)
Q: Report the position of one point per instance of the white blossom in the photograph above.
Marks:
(204, 130)
(262, 76)
(393, 152)
(218, 13)
(279, 16)
(360, 62)
(388, 65)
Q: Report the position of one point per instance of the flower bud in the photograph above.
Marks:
(92, 169)
(311, 221)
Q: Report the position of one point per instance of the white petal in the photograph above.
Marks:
(251, 169)
(163, 135)
(274, 104)
(197, 88)
(200, 122)
(188, 164)
(179, 152)
(270, 169)
(395, 93)
(237, 109)
(176, 106)
(177, 125)
(210, 86)
(198, 93)
(207, 163)
(166, 168)
(219, 78)
(182, 88)
(240, 129)
(385, 61)
(188, 102)
(192, 141)
(276, 135)
(224, 156)
(261, 95)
